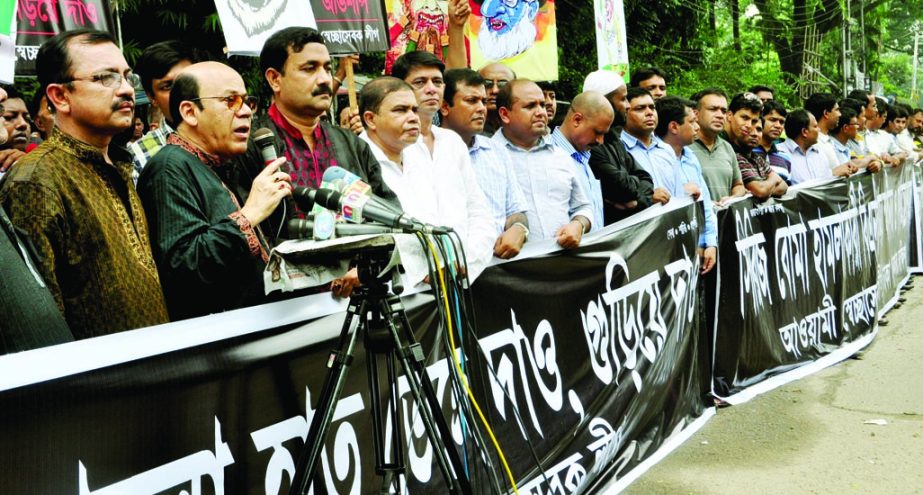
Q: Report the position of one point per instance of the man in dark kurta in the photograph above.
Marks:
(208, 247)
(73, 197)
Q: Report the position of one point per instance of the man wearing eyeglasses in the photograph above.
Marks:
(496, 75)
(208, 244)
(158, 66)
(74, 198)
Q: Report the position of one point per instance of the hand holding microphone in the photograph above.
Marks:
(269, 188)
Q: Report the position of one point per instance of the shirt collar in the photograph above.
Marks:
(86, 152)
(481, 143)
(562, 142)
(203, 156)
(378, 152)
(543, 142)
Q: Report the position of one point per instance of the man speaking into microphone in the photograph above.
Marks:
(207, 243)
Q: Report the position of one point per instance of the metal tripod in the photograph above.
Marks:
(387, 334)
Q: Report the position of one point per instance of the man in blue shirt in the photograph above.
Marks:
(464, 111)
(640, 141)
(558, 206)
(677, 128)
(584, 127)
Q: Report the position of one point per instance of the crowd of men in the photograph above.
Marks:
(123, 230)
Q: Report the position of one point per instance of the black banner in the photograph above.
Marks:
(355, 26)
(804, 275)
(598, 350)
(39, 20)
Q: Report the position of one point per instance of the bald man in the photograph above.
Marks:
(208, 247)
(496, 75)
(585, 126)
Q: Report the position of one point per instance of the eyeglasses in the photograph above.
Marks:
(109, 79)
(234, 102)
(490, 83)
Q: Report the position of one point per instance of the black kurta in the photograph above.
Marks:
(207, 253)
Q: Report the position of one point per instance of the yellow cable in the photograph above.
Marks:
(490, 432)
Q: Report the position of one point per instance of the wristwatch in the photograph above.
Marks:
(523, 227)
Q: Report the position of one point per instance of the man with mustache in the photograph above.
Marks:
(73, 195)
(626, 187)
(758, 177)
(16, 127)
(296, 65)
(639, 139)
(463, 111)
(508, 28)
(207, 243)
(558, 207)
(587, 121)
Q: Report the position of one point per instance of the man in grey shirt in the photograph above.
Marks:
(717, 157)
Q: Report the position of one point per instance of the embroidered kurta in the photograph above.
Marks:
(85, 222)
(210, 257)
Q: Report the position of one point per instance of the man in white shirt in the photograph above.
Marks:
(826, 112)
(558, 206)
(881, 142)
(438, 188)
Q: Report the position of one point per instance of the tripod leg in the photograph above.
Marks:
(411, 358)
(338, 363)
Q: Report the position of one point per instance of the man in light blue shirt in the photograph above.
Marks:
(677, 127)
(558, 206)
(464, 111)
(585, 125)
(808, 162)
(640, 141)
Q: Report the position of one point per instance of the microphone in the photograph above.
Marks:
(343, 181)
(264, 140)
(304, 229)
(355, 207)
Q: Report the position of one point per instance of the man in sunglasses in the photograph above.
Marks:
(207, 243)
(73, 195)
(496, 75)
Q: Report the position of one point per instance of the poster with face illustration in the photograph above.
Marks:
(611, 38)
(248, 23)
(520, 33)
(417, 25)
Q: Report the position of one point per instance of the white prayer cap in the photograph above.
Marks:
(603, 81)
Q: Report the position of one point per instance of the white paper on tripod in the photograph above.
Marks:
(291, 266)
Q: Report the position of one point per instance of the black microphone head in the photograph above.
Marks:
(304, 197)
(263, 137)
(328, 199)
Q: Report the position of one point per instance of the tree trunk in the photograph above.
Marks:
(735, 22)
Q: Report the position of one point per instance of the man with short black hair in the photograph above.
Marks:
(677, 127)
(651, 79)
(639, 139)
(845, 132)
(765, 93)
(826, 111)
(438, 192)
(716, 156)
(42, 116)
(16, 128)
(73, 195)
(774, 115)
(158, 66)
(549, 89)
(496, 75)
(558, 206)
(745, 111)
(808, 161)
(878, 140)
(464, 111)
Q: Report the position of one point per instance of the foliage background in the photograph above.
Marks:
(731, 44)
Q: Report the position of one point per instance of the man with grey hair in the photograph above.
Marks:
(587, 121)
(626, 187)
